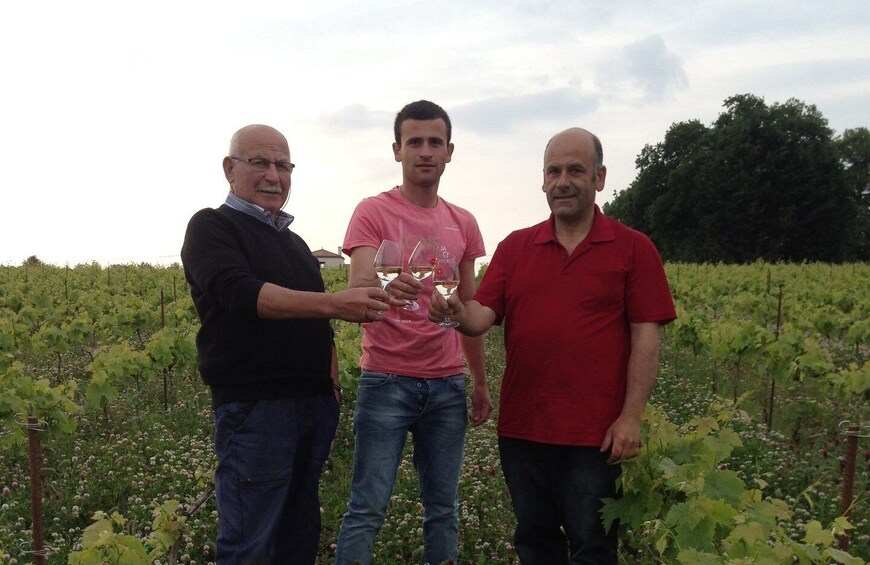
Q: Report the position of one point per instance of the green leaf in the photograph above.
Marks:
(692, 556)
(815, 534)
(751, 533)
(843, 557)
(661, 544)
(724, 485)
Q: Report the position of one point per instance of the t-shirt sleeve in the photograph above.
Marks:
(648, 295)
(491, 292)
(474, 247)
(362, 229)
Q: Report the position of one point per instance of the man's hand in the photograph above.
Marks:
(402, 288)
(368, 304)
(481, 405)
(622, 439)
(440, 308)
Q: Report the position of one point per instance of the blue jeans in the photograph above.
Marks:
(556, 491)
(387, 408)
(270, 455)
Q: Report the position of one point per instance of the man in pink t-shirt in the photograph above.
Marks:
(582, 298)
(412, 372)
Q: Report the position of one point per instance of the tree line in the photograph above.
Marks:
(768, 182)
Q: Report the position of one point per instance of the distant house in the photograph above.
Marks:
(328, 258)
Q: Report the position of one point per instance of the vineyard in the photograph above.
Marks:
(757, 439)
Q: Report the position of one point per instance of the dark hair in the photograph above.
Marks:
(420, 110)
(599, 152)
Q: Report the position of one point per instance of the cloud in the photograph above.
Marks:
(491, 115)
(355, 117)
(505, 113)
(742, 21)
(644, 69)
(833, 71)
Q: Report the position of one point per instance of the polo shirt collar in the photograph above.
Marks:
(278, 221)
(602, 229)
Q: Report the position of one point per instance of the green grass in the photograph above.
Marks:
(145, 455)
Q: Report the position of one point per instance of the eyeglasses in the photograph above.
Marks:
(283, 167)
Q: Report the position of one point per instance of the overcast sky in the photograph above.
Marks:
(115, 115)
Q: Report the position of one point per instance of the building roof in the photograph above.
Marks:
(324, 254)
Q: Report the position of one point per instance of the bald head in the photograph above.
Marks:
(255, 135)
(581, 138)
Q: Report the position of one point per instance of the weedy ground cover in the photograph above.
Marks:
(150, 441)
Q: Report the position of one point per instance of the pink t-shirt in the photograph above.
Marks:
(406, 342)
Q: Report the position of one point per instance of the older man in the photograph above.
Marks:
(265, 350)
(582, 298)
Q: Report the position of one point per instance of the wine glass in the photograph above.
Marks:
(388, 265)
(421, 264)
(388, 261)
(446, 279)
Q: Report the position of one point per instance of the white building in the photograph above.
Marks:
(328, 258)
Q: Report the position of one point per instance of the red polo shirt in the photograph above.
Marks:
(566, 325)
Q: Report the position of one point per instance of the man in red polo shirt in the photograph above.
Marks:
(582, 298)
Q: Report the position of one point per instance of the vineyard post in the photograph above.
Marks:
(190, 511)
(33, 429)
(775, 338)
(852, 432)
(162, 310)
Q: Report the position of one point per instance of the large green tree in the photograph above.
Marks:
(763, 181)
(854, 149)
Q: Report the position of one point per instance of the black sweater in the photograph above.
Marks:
(228, 256)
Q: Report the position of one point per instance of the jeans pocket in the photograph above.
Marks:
(457, 382)
(230, 417)
(370, 379)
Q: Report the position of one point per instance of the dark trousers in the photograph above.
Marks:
(270, 455)
(556, 492)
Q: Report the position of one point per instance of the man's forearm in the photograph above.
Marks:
(278, 303)
(475, 318)
(472, 350)
(643, 365)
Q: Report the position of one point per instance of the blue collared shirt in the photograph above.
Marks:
(278, 221)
